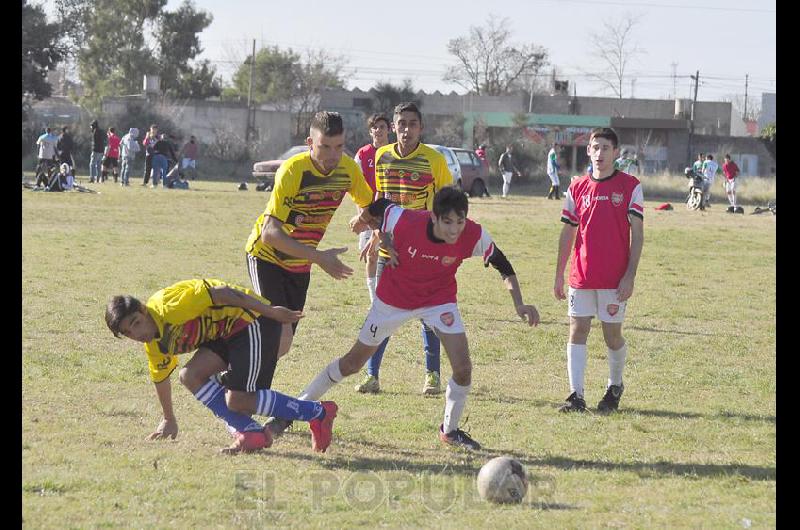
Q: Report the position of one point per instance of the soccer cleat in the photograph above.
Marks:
(322, 429)
(277, 426)
(369, 385)
(432, 384)
(249, 442)
(574, 403)
(610, 401)
(458, 438)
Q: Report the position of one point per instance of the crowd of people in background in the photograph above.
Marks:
(112, 155)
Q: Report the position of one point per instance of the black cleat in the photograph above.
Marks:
(458, 438)
(610, 401)
(277, 426)
(575, 403)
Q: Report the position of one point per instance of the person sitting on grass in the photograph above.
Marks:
(237, 336)
(421, 284)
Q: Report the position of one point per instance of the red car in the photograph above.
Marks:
(474, 173)
(265, 170)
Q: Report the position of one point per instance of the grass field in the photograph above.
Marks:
(693, 446)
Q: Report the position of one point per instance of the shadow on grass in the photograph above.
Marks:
(660, 469)
(670, 331)
(719, 415)
(389, 458)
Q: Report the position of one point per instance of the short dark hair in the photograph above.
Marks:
(328, 123)
(727, 155)
(605, 132)
(48, 129)
(408, 106)
(375, 118)
(111, 129)
(118, 308)
(64, 128)
(450, 199)
(709, 157)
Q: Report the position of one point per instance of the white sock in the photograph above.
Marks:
(505, 189)
(616, 363)
(576, 364)
(455, 400)
(372, 284)
(324, 381)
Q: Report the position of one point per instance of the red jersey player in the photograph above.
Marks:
(429, 247)
(603, 216)
(365, 157)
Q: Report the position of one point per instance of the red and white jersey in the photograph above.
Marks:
(600, 210)
(426, 275)
(365, 157)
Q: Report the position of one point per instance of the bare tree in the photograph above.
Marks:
(488, 64)
(615, 48)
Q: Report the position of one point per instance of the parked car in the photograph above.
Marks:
(264, 171)
(452, 162)
(474, 172)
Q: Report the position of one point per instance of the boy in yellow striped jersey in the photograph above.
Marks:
(233, 331)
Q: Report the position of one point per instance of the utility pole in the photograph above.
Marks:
(696, 79)
(674, 80)
(746, 76)
(530, 101)
(250, 96)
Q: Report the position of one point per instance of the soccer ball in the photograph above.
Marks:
(503, 480)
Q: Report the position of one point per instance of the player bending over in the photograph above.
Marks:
(232, 329)
(429, 247)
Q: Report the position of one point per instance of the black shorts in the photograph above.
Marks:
(251, 355)
(109, 162)
(278, 285)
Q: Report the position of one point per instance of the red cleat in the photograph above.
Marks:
(249, 442)
(322, 430)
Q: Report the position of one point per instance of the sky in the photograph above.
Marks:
(724, 39)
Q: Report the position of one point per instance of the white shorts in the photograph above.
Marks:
(730, 186)
(363, 239)
(553, 179)
(384, 319)
(602, 303)
(188, 162)
(507, 176)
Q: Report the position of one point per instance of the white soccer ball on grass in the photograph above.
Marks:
(503, 480)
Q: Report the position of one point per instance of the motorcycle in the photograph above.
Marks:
(694, 201)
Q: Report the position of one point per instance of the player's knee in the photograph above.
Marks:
(187, 378)
(579, 332)
(462, 373)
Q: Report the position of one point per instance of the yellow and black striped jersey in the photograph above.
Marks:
(186, 317)
(410, 181)
(304, 200)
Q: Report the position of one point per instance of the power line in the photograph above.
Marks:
(667, 6)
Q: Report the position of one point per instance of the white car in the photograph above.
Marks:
(452, 161)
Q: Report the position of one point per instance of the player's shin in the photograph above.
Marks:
(455, 401)
(616, 364)
(212, 395)
(324, 381)
(576, 365)
(271, 403)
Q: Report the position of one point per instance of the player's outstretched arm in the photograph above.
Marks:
(328, 260)
(168, 428)
(234, 297)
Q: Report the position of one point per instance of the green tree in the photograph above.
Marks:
(42, 50)
(107, 38)
(179, 43)
(289, 81)
(387, 96)
(768, 137)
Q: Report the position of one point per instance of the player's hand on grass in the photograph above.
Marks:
(558, 288)
(529, 314)
(625, 288)
(328, 261)
(284, 315)
(166, 429)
